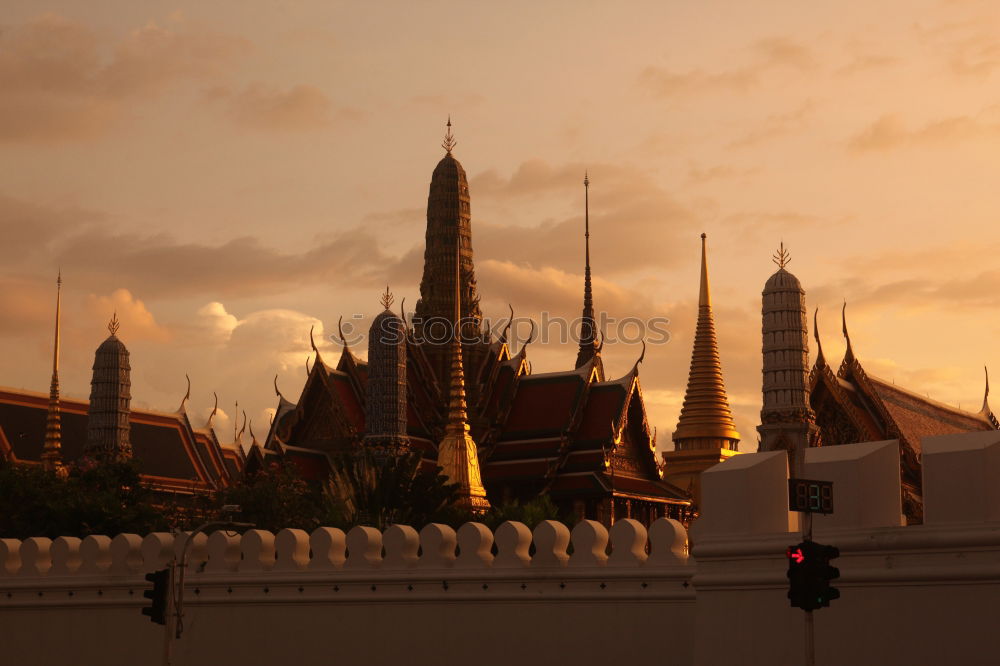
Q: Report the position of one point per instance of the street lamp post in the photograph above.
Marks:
(176, 612)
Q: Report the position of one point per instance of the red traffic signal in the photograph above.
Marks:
(810, 573)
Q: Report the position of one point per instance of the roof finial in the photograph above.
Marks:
(340, 332)
(449, 142)
(849, 355)
(642, 356)
(503, 334)
(187, 395)
(114, 323)
(208, 423)
(781, 257)
(820, 360)
(239, 435)
(276, 391)
(386, 298)
(986, 393)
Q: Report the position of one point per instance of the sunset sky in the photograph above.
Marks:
(225, 174)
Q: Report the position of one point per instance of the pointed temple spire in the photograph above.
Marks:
(786, 416)
(108, 429)
(449, 231)
(457, 453)
(52, 447)
(385, 404)
(589, 348)
(706, 421)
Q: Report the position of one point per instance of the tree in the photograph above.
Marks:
(92, 499)
(277, 498)
(369, 489)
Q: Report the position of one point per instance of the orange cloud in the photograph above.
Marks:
(777, 125)
(136, 320)
(889, 131)
(59, 82)
(299, 108)
(768, 54)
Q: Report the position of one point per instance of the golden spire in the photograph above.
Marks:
(449, 142)
(706, 421)
(52, 447)
(457, 453)
(386, 298)
(781, 257)
(114, 323)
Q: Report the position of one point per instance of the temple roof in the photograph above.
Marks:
(918, 416)
(170, 454)
(782, 280)
(883, 410)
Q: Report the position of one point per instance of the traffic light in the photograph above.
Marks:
(810, 573)
(157, 610)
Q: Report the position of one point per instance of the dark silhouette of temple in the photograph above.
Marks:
(174, 458)
(576, 436)
(821, 406)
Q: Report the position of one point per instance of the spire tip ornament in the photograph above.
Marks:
(781, 257)
(114, 324)
(449, 142)
(386, 299)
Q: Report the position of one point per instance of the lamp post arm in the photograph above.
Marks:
(201, 529)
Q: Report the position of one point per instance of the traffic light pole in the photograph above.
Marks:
(810, 637)
(807, 535)
(169, 624)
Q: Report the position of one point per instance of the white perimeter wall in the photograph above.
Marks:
(927, 594)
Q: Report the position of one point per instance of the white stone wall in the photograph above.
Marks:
(924, 594)
(433, 597)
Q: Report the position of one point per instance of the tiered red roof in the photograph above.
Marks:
(172, 456)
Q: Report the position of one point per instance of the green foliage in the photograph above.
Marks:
(364, 489)
(379, 491)
(100, 499)
(530, 513)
